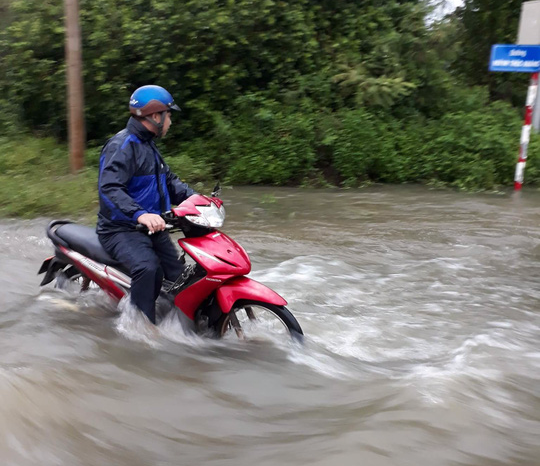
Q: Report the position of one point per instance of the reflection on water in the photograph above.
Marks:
(421, 315)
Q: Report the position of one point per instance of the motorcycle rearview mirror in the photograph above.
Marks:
(168, 216)
(216, 191)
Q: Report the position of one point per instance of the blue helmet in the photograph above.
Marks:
(151, 99)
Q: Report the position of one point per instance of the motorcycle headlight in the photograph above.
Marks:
(211, 216)
(198, 220)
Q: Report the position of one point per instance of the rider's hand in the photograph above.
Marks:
(153, 222)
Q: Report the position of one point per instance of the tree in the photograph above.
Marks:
(484, 23)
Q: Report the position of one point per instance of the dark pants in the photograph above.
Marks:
(149, 258)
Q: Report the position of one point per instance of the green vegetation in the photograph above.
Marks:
(307, 93)
(34, 180)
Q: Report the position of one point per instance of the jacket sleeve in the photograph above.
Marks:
(178, 190)
(118, 165)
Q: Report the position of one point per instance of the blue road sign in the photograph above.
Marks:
(515, 58)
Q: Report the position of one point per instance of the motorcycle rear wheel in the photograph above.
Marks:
(73, 279)
(256, 319)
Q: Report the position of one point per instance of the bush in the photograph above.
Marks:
(532, 171)
(191, 163)
(35, 180)
(471, 150)
(269, 144)
(359, 144)
(475, 150)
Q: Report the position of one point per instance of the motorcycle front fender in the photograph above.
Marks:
(244, 288)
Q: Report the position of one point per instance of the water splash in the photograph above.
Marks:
(134, 325)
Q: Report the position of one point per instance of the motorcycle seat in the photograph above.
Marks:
(84, 240)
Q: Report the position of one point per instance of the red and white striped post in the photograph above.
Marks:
(526, 132)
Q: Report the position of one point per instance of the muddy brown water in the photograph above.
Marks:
(421, 311)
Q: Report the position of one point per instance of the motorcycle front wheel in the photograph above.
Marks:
(251, 320)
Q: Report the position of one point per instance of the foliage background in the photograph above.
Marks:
(310, 92)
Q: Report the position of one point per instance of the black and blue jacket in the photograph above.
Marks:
(134, 180)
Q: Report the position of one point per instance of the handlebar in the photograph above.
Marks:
(182, 217)
(167, 216)
(144, 229)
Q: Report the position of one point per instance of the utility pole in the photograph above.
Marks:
(529, 34)
(76, 129)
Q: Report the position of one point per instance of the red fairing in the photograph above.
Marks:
(197, 199)
(217, 253)
(217, 201)
(191, 298)
(246, 288)
(189, 206)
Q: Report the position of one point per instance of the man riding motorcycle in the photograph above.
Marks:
(135, 186)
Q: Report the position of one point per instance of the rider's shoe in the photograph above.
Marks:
(188, 272)
(170, 287)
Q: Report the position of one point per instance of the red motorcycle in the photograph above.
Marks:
(213, 293)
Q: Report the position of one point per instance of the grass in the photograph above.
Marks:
(35, 180)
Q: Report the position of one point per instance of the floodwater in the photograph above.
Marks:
(421, 310)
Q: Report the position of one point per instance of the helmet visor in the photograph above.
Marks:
(173, 106)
